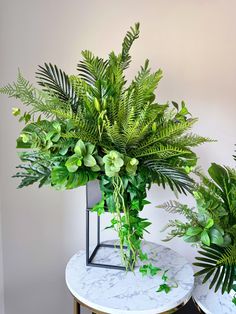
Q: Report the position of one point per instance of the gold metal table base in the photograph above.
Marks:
(78, 304)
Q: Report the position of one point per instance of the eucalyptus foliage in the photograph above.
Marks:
(94, 125)
(212, 225)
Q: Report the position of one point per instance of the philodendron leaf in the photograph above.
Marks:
(205, 238)
(95, 168)
(80, 148)
(90, 148)
(89, 161)
(73, 163)
(216, 237)
(210, 223)
(192, 231)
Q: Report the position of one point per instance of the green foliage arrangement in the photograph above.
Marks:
(212, 226)
(94, 125)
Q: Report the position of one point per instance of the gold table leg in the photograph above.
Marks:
(76, 307)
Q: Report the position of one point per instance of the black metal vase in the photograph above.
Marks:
(93, 196)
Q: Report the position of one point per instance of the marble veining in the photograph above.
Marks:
(211, 302)
(120, 292)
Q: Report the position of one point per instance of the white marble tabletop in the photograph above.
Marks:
(119, 292)
(211, 302)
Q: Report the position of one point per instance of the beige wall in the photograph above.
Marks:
(1, 268)
(194, 42)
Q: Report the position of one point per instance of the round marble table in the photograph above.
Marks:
(112, 291)
(209, 301)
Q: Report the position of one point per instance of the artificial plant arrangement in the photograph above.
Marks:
(212, 226)
(94, 125)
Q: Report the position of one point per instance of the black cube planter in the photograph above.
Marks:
(93, 196)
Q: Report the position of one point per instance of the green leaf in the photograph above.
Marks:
(73, 163)
(99, 208)
(205, 238)
(191, 239)
(210, 223)
(89, 161)
(216, 237)
(164, 276)
(164, 287)
(192, 231)
(234, 300)
(59, 175)
(15, 111)
(82, 178)
(149, 269)
(80, 148)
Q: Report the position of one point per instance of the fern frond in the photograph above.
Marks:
(160, 151)
(174, 207)
(178, 229)
(27, 94)
(190, 140)
(130, 37)
(167, 131)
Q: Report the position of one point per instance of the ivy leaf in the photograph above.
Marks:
(149, 269)
(99, 208)
(143, 256)
(164, 276)
(164, 287)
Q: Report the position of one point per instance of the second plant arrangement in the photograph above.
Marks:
(94, 125)
(211, 226)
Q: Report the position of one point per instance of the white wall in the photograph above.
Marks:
(194, 42)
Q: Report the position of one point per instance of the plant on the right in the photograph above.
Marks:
(211, 226)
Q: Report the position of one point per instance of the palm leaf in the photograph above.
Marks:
(218, 263)
(161, 173)
(57, 82)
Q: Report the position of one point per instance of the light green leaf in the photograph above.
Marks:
(89, 161)
(90, 148)
(15, 111)
(205, 238)
(80, 148)
(72, 163)
(210, 223)
(192, 231)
